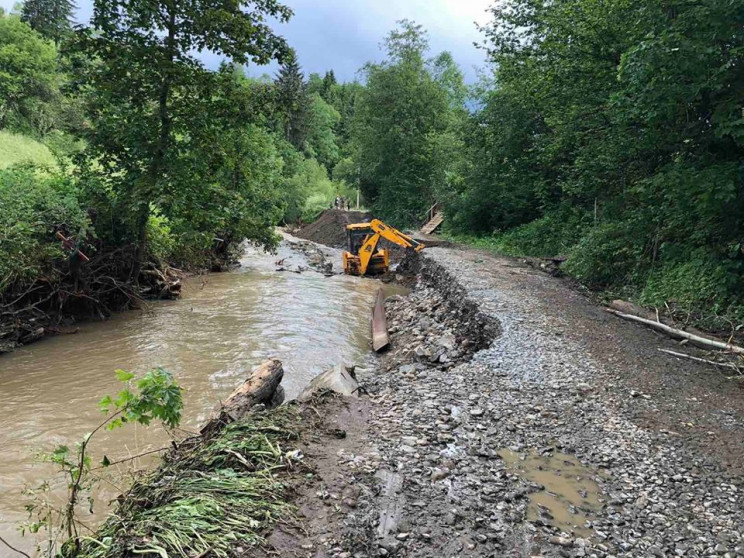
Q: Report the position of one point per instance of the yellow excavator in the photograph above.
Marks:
(363, 257)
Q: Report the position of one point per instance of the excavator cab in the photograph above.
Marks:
(363, 257)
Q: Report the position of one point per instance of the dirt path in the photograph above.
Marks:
(566, 434)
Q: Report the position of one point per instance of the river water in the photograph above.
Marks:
(210, 339)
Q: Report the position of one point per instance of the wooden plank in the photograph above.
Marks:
(431, 226)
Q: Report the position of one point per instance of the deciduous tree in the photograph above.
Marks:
(149, 92)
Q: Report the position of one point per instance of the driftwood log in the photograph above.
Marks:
(625, 307)
(261, 388)
(679, 334)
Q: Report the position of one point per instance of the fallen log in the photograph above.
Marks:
(262, 387)
(703, 360)
(380, 338)
(626, 307)
(679, 334)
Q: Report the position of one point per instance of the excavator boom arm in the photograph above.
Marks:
(368, 250)
(394, 235)
(357, 263)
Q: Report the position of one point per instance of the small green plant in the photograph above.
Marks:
(154, 397)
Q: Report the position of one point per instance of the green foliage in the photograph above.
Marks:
(17, 148)
(33, 206)
(700, 283)
(294, 101)
(322, 120)
(157, 109)
(402, 123)
(309, 191)
(630, 113)
(609, 254)
(50, 18)
(227, 190)
(28, 66)
(157, 397)
(161, 242)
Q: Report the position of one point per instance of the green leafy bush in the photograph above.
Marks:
(309, 191)
(701, 282)
(161, 243)
(609, 254)
(34, 203)
(17, 149)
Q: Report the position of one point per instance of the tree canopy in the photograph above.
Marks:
(401, 119)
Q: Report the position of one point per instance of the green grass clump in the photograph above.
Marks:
(207, 498)
(17, 148)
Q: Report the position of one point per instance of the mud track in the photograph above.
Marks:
(514, 417)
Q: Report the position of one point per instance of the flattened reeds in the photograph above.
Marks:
(208, 498)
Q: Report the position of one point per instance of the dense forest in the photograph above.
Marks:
(607, 133)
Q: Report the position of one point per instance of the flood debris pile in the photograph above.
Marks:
(52, 304)
(216, 494)
(330, 227)
(214, 497)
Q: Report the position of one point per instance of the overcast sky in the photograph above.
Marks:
(344, 34)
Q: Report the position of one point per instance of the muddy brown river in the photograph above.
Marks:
(210, 339)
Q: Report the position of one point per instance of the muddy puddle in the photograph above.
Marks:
(570, 496)
(223, 326)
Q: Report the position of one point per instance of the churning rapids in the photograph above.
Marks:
(211, 338)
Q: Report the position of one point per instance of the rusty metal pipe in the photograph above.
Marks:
(380, 338)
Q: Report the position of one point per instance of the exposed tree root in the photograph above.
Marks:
(65, 295)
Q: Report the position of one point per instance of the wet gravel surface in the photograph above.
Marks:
(551, 374)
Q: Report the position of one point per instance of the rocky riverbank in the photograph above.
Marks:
(513, 417)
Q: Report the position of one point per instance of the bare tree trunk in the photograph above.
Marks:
(679, 334)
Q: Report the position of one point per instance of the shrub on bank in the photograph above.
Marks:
(34, 205)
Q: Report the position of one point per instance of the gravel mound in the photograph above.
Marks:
(330, 227)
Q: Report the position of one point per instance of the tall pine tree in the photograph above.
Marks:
(50, 18)
(293, 101)
(329, 81)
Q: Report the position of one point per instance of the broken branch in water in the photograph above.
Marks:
(678, 333)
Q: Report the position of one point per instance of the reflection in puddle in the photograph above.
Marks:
(570, 496)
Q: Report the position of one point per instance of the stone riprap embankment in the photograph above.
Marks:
(513, 417)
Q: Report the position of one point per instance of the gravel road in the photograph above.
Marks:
(514, 417)
(570, 434)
